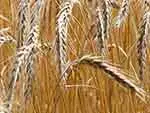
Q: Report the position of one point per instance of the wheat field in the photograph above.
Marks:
(74, 56)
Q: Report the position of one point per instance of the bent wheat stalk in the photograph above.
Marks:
(113, 72)
(61, 31)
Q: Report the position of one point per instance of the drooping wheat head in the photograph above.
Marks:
(113, 72)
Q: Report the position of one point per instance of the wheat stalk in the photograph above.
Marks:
(123, 13)
(61, 31)
(142, 43)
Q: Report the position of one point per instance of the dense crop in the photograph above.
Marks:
(74, 56)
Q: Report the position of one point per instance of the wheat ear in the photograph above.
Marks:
(6, 39)
(61, 31)
(103, 24)
(25, 56)
(113, 72)
(99, 33)
(23, 21)
(113, 4)
(144, 32)
(33, 39)
(147, 3)
(23, 27)
(123, 13)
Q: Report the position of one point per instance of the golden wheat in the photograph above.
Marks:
(26, 42)
(123, 13)
(142, 43)
(62, 32)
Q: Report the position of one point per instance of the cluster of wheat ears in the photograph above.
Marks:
(29, 45)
